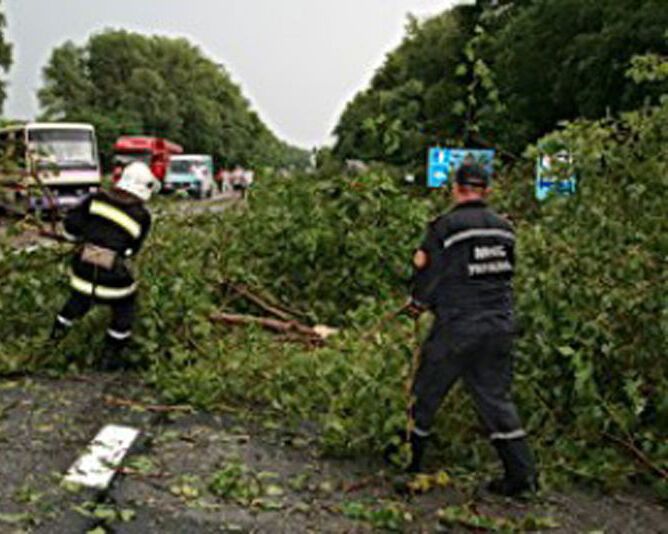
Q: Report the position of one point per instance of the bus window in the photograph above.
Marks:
(68, 149)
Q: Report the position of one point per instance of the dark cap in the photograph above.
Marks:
(473, 175)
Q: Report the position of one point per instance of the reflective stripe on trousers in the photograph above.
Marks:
(507, 436)
(101, 292)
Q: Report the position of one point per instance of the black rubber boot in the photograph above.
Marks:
(417, 447)
(58, 331)
(520, 471)
(112, 360)
(513, 488)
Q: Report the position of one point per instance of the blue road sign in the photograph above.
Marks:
(548, 179)
(444, 162)
(438, 172)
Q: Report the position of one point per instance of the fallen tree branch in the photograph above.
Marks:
(282, 327)
(304, 340)
(266, 302)
(54, 236)
(157, 408)
(270, 324)
(244, 292)
(128, 471)
(639, 455)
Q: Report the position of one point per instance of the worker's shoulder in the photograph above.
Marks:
(439, 225)
(473, 216)
(499, 221)
(139, 212)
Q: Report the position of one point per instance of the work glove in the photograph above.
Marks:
(414, 309)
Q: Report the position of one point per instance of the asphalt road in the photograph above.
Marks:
(226, 472)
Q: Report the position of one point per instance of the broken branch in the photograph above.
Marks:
(157, 408)
(282, 327)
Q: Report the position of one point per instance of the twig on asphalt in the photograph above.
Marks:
(156, 408)
(129, 471)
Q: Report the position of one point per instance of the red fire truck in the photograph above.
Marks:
(153, 151)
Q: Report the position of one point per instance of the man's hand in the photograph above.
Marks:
(414, 309)
(420, 260)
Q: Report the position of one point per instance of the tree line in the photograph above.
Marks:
(502, 76)
(125, 83)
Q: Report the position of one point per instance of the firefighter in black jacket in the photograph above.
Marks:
(464, 271)
(110, 228)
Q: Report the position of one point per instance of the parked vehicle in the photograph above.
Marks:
(153, 151)
(192, 173)
(63, 155)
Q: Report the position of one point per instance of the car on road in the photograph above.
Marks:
(191, 173)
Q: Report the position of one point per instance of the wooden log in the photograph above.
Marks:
(271, 324)
(275, 325)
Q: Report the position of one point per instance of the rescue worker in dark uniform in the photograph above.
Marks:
(110, 228)
(464, 270)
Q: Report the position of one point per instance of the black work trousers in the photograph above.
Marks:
(122, 314)
(484, 363)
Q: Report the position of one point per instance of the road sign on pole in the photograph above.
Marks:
(444, 162)
(555, 175)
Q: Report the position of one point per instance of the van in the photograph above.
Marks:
(191, 173)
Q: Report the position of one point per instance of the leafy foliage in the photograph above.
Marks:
(127, 83)
(470, 518)
(387, 516)
(407, 108)
(333, 235)
(501, 76)
(5, 56)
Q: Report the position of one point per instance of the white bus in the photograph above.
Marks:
(64, 155)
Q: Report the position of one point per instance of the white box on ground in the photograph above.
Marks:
(96, 468)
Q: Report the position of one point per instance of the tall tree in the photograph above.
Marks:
(557, 60)
(5, 56)
(410, 103)
(516, 68)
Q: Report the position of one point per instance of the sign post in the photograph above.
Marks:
(444, 163)
(554, 175)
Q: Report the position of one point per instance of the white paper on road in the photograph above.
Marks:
(96, 468)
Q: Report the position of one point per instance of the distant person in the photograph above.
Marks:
(227, 180)
(247, 181)
(110, 227)
(237, 178)
(201, 174)
(219, 178)
(249, 178)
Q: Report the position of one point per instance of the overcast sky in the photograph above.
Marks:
(299, 61)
